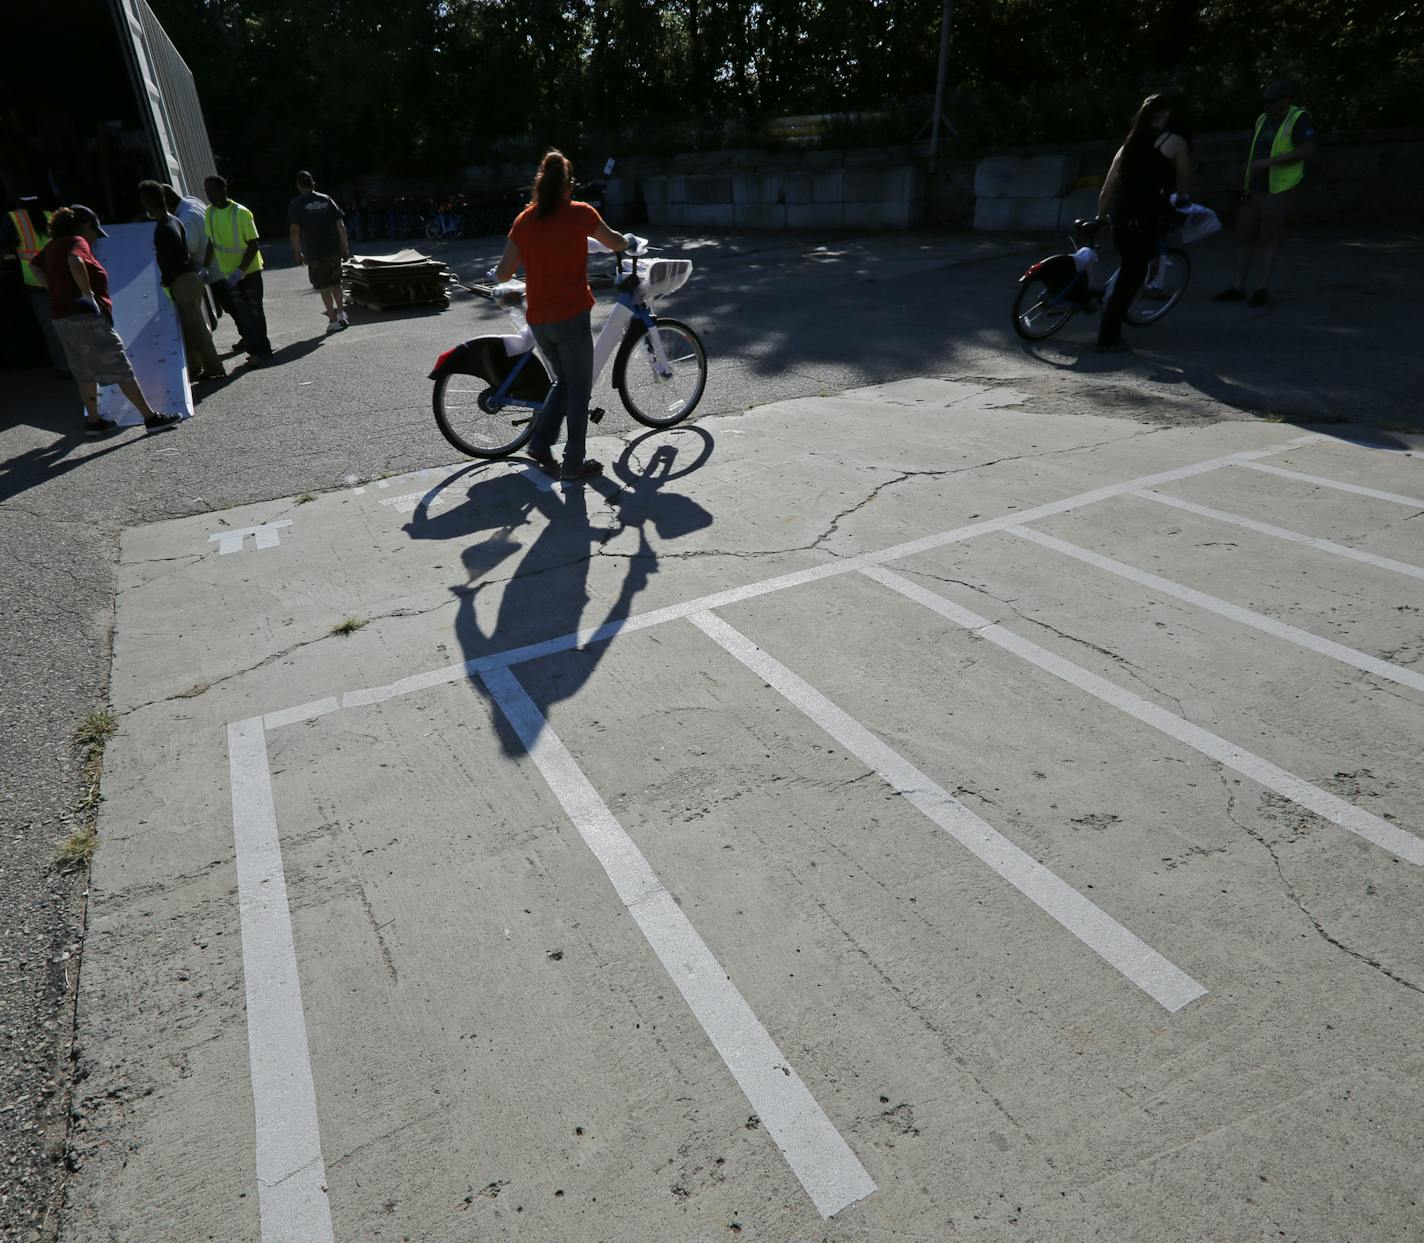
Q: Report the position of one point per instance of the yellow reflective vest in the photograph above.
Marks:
(230, 228)
(30, 244)
(1282, 176)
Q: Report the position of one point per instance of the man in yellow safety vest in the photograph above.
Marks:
(24, 230)
(234, 265)
(1275, 166)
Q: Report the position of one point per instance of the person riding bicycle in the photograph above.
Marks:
(1152, 164)
(549, 239)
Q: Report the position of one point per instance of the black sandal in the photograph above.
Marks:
(104, 427)
(162, 420)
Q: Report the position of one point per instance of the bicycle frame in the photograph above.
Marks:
(625, 310)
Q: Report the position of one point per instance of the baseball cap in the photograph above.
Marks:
(87, 215)
(1278, 89)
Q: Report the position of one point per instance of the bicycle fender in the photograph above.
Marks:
(637, 330)
(487, 357)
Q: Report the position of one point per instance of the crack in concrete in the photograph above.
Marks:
(902, 476)
(1291, 893)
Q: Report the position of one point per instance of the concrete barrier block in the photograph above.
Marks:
(829, 186)
(1025, 176)
(886, 214)
(814, 215)
(677, 189)
(654, 189)
(800, 187)
(760, 215)
(704, 190)
(1017, 215)
(711, 215)
(1080, 205)
(668, 213)
(766, 187)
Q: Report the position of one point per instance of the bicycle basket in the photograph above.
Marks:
(659, 277)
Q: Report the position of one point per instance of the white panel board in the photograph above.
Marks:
(147, 320)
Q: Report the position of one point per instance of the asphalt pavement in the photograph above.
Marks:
(783, 318)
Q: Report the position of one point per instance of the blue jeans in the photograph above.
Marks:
(568, 345)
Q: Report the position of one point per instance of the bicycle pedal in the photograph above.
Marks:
(596, 413)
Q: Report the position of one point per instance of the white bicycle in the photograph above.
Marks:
(489, 389)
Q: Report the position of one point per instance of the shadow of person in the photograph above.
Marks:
(507, 609)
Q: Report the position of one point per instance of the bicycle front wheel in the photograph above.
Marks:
(466, 419)
(653, 398)
(1166, 283)
(1037, 315)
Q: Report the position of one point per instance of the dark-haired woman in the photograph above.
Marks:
(84, 317)
(1150, 166)
(549, 239)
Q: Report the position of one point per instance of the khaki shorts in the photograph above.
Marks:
(1263, 216)
(95, 351)
(324, 273)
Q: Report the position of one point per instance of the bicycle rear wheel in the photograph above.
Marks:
(1166, 283)
(1036, 315)
(466, 419)
(657, 400)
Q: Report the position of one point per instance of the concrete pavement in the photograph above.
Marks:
(906, 814)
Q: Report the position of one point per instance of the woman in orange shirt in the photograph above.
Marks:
(549, 240)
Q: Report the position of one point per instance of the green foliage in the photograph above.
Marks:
(422, 87)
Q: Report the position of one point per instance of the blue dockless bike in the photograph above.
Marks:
(488, 389)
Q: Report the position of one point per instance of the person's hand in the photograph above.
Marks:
(235, 279)
(301, 259)
(87, 302)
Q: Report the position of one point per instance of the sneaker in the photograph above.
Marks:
(104, 427)
(583, 471)
(342, 321)
(1229, 295)
(1259, 298)
(333, 326)
(545, 462)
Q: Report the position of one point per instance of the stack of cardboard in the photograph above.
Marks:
(406, 278)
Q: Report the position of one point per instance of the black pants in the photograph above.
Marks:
(244, 303)
(1136, 247)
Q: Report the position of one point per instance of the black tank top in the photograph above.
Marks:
(1148, 178)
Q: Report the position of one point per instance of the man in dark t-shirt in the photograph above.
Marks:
(318, 230)
(180, 278)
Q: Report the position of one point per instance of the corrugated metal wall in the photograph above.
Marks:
(165, 85)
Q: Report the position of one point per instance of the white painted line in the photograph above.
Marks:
(844, 565)
(1295, 537)
(827, 1168)
(264, 536)
(409, 502)
(1257, 621)
(1320, 481)
(1349, 817)
(291, 1175)
(302, 712)
(1166, 984)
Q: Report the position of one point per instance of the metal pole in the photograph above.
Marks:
(939, 80)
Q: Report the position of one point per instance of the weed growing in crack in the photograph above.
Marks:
(92, 737)
(78, 848)
(306, 498)
(350, 626)
(95, 731)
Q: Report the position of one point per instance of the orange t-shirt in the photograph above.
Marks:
(554, 251)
